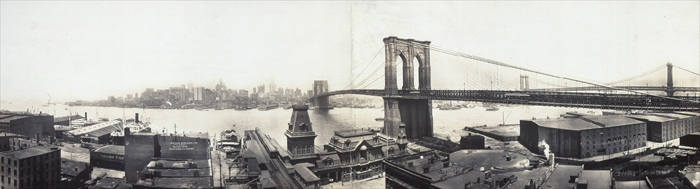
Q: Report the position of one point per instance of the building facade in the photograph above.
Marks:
(662, 127)
(30, 125)
(141, 148)
(583, 136)
(173, 174)
(356, 154)
(36, 167)
(109, 157)
(350, 154)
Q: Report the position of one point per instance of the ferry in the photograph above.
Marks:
(229, 143)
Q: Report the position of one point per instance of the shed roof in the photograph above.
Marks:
(586, 122)
(305, 173)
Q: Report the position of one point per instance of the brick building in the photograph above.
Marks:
(35, 167)
(584, 136)
(141, 148)
(30, 125)
(662, 127)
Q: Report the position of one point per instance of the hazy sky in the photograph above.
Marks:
(90, 50)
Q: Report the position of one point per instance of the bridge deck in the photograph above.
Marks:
(540, 98)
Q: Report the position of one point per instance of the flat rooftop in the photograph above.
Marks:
(635, 184)
(66, 118)
(177, 164)
(649, 117)
(672, 115)
(597, 178)
(503, 130)
(179, 182)
(111, 149)
(561, 176)
(306, 174)
(467, 166)
(29, 152)
(354, 133)
(72, 168)
(9, 118)
(586, 122)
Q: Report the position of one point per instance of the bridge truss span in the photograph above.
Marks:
(540, 98)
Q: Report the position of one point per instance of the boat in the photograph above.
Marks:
(133, 127)
(268, 107)
(492, 108)
(379, 119)
(229, 143)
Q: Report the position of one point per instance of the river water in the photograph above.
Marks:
(447, 123)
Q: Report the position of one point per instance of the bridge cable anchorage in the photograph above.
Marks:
(494, 62)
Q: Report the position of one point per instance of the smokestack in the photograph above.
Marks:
(136, 117)
(85, 116)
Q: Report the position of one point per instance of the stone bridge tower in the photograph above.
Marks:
(415, 114)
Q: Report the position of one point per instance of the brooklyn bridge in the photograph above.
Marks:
(409, 109)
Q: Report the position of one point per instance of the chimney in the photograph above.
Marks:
(85, 116)
(136, 117)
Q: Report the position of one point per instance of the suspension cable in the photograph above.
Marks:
(687, 70)
(494, 62)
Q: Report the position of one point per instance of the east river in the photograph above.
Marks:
(447, 123)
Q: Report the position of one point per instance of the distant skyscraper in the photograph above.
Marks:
(198, 93)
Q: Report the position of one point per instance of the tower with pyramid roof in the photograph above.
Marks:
(300, 136)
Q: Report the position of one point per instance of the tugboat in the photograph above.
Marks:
(229, 143)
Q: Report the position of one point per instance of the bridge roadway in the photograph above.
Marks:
(540, 98)
(634, 88)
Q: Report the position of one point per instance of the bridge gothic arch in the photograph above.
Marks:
(411, 53)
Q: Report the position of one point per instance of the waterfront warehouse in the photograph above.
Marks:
(662, 127)
(98, 133)
(30, 125)
(583, 136)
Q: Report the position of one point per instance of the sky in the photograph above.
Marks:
(72, 50)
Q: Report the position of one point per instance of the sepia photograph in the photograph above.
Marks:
(225, 94)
